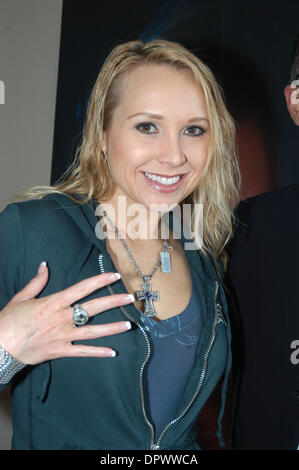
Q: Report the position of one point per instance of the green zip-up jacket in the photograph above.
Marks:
(97, 403)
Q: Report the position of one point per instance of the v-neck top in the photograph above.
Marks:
(173, 344)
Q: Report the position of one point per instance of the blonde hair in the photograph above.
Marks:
(89, 176)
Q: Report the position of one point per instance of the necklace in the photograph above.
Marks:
(146, 293)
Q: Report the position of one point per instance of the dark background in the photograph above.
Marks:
(247, 44)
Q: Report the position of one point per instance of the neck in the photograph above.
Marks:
(133, 221)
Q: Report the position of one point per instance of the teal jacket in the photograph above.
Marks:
(97, 403)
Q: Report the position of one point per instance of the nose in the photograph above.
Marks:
(170, 151)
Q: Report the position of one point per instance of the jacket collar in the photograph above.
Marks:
(83, 214)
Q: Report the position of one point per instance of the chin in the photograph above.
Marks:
(162, 206)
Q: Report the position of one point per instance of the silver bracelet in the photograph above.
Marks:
(9, 366)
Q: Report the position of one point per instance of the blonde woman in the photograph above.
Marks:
(121, 336)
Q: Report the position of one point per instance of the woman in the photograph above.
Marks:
(157, 137)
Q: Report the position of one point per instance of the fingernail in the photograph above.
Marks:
(128, 325)
(128, 298)
(112, 353)
(42, 267)
(115, 276)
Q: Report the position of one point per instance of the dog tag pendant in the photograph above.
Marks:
(165, 262)
(165, 259)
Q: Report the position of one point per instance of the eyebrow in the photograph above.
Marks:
(158, 116)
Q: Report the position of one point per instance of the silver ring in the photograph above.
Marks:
(80, 316)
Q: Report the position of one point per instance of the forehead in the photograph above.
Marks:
(159, 85)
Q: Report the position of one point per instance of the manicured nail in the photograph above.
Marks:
(42, 267)
(112, 353)
(128, 325)
(128, 298)
(114, 276)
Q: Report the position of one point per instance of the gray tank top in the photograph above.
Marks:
(173, 344)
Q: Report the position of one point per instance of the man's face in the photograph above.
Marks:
(291, 92)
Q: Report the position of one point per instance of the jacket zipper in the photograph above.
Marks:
(153, 445)
(146, 359)
(220, 315)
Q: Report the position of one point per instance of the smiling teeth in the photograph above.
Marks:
(162, 179)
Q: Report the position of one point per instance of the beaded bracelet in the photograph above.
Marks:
(9, 366)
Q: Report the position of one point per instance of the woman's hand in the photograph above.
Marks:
(36, 330)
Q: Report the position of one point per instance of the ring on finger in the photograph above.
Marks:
(80, 315)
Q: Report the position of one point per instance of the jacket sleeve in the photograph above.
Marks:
(11, 256)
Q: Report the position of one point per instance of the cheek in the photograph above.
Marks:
(128, 154)
(117, 155)
(115, 146)
(198, 156)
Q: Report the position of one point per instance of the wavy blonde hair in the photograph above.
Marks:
(89, 176)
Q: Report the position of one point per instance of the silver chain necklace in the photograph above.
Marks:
(146, 293)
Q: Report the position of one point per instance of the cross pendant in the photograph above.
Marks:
(147, 295)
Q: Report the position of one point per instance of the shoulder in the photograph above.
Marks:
(39, 222)
(267, 211)
(34, 210)
(41, 229)
(267, 222)
(48, 202)
(271, 204)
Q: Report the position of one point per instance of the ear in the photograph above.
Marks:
(291, 94)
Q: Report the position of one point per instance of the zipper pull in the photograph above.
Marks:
(155, 447)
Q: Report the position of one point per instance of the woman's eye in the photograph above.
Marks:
(146, 128)
(194, 131)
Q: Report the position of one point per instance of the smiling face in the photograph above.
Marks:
(158, 139)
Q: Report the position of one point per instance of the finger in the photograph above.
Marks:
(35, 286)
(99, 331)
(80, 350)
(99, 305)
(83, 288)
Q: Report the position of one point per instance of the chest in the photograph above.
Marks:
(174, 289)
